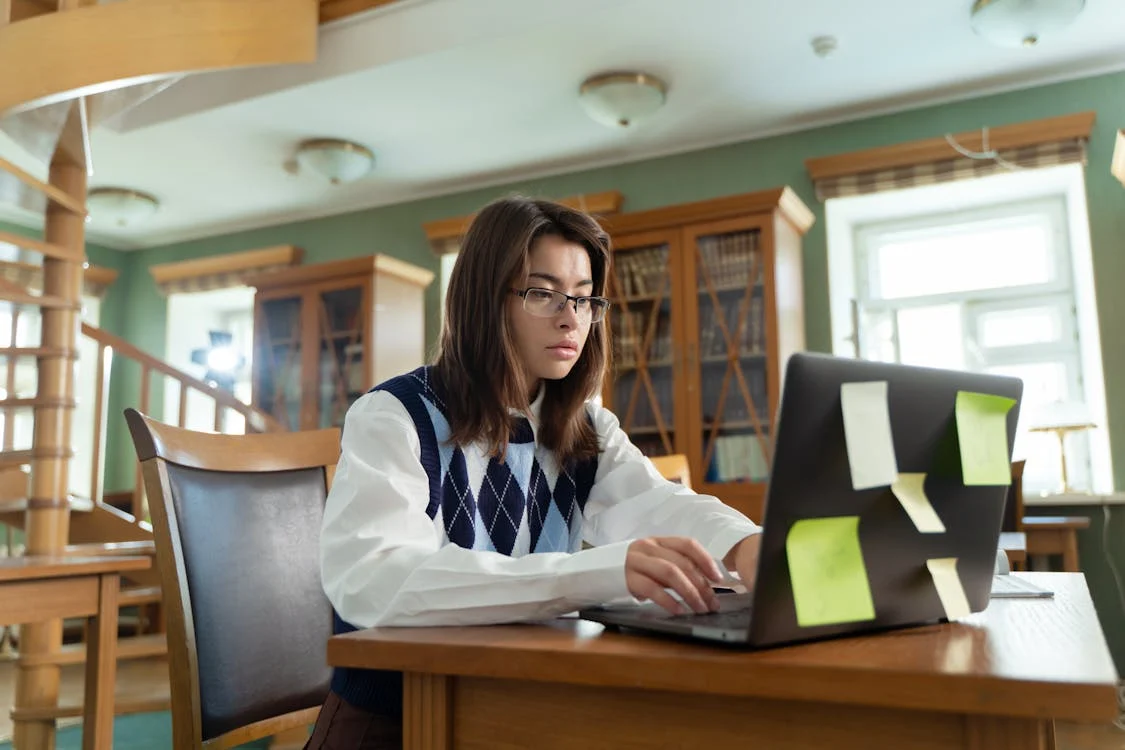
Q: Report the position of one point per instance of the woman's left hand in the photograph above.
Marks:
(743, 559)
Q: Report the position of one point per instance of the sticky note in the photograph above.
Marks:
(982, 437)
(827, 572)
(867, 433)
(910, 489)
(948, 585)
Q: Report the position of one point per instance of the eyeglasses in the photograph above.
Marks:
(547, 303)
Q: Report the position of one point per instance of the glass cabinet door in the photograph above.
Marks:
(277, 361)
(643, 356)
(341, 368)
(730, 360)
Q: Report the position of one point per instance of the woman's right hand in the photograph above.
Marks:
(672, 562)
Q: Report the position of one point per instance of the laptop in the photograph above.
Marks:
(811, 478)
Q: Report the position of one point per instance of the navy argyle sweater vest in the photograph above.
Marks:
(512, 507)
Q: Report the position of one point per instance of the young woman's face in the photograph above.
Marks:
(549, 341)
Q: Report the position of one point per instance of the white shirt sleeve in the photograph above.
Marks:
(382, 560)
(631, 500)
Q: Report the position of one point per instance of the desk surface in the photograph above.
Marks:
(1041, 658)
(33, 567)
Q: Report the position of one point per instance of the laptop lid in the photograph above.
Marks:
(841, 553)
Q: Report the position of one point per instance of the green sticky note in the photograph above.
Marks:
(827, 572)
(982, 436)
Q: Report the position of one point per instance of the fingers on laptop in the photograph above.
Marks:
(680, 564)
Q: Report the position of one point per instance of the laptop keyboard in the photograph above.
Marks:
(734, 620)
(734, 612)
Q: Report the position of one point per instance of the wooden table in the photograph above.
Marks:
(995, 681)
(37, 589)
(1014, 544)
(1055, 535)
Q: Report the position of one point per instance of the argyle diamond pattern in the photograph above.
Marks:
(515, 506)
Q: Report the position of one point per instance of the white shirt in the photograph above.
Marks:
(384, 563)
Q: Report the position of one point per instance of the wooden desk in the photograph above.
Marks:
(994, 682)
(1014, 544)
(1055, 535)
(36, 589)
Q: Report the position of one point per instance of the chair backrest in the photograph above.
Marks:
(236, 522)
(1013, 505)
(673, 467)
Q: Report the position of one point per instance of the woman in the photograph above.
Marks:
(464, 490)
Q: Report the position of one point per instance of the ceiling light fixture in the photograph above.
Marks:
(1022, 23)
(336, 160)
(119, 207)
(823, 46)
(622, 99)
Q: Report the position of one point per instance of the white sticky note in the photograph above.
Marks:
(949, 588)
(910, 489)
(867, 432)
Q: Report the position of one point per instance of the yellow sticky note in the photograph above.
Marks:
(827, 572)
(982, 435)
(867, 433)
(949, 588)
(910, 489)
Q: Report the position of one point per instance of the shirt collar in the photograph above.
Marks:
(532, 414)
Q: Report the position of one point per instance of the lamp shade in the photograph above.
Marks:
(119, 207)
(622, 100)
(1022, 23)
(335, 160)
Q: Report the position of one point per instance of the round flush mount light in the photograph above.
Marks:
(336, 160)
(1022, 23)
(120, 207)
(823, 46)
(622, 99)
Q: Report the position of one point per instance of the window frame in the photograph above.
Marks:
(1059, 292)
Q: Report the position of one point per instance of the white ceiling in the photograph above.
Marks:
(456, 94)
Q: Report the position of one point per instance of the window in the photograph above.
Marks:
(447, 262)
(191, 316)
(991, 288)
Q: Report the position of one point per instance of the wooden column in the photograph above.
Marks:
(47, 524)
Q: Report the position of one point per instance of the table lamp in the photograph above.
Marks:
(1063, 420)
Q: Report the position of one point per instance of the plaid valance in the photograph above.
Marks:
(1043, 143)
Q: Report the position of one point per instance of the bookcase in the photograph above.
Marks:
(325, 334)
(707, 307)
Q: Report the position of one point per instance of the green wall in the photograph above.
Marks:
(742, 167)
(1099, 562)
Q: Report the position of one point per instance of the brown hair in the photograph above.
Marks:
(477, 364)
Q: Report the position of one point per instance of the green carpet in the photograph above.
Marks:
(133, 732)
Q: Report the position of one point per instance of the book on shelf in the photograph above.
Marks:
(727, 260)
(737, 458)
(642, 272)
(631, 328)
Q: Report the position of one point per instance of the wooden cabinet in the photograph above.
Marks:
(325, 334)
(707, 307)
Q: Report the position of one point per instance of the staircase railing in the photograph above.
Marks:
(70, 55)
(223, 406)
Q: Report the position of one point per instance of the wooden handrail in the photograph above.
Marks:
(256, 419)
(49, 249)
(51, 192)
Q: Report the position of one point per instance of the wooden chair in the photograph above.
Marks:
(673, 467)
(236, 522)
(1045, 535)
(1013, 540)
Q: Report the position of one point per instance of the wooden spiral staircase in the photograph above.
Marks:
(79, 63)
